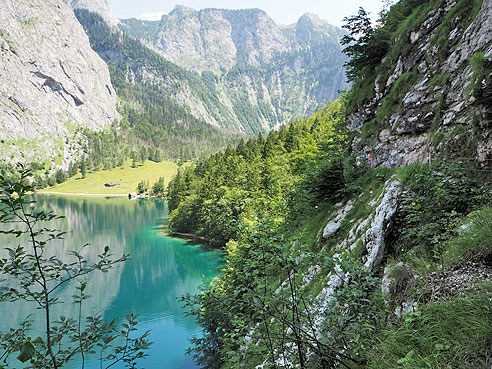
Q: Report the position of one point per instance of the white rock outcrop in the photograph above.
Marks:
(51, 82)
(374, 241)
(375, 236)
(334, 225)
(433, 117)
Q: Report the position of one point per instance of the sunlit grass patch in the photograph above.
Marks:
(128, 178)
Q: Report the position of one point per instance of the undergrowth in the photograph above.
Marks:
(447, 334)
(438, 199)
(475, 241)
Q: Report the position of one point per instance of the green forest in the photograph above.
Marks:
(359, 237)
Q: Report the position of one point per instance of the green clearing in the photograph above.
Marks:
(128, 179)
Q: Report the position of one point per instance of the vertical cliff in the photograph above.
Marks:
(431, 93)
(52, 83)
(101, 7)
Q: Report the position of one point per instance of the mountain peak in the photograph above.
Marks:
(312, 18)
(101, 7)
(182, 10)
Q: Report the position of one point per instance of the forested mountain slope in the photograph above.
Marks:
(101, 7)
(52, 84)
(161, 104)
(337, 259)
(263, 74)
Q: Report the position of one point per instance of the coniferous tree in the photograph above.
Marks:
(83, 167)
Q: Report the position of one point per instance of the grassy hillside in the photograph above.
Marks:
(128, 178)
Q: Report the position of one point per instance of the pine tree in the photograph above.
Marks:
(83, 167)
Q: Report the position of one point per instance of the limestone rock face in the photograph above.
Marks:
(51, 82)
(375, 236)
(443, 111)
(102, 7)
(213, 38)
(334, 225)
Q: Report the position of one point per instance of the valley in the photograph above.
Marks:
(339, 180)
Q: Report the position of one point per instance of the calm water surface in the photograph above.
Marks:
(160, 270)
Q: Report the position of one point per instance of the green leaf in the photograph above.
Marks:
(26, 352)
(38, 341)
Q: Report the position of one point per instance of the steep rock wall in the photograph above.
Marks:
(101, 7)
(51, 83)
(439, 92)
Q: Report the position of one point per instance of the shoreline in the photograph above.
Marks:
(81, 194)
(189, 236)
(97, 194)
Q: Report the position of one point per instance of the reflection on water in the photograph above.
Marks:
(160, 270)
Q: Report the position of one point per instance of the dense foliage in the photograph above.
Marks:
(295, 167)
(288, 298)
(253, 197)
(437, 200)
(291, 297)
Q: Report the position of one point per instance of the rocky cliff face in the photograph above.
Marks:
(211, 39)
(264, 75)
(101, 7)
(436, 98)
(51, 83)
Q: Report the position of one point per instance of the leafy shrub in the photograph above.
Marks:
(438, 197)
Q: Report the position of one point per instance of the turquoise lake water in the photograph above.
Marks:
(160, 270)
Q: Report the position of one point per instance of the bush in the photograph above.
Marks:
(60, 176)
(438, 197)
(51, 181)
(158, 187)
(142, 187)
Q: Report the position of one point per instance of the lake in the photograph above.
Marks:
(160, 270)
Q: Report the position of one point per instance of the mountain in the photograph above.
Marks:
(211, 39)
(430, 96)
(101, 7)
(163, 106)
(52, 84)
(263, 74)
